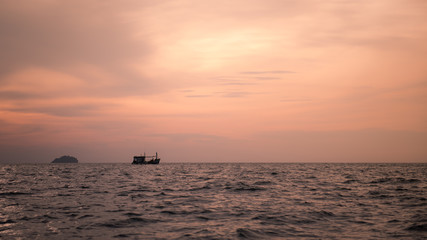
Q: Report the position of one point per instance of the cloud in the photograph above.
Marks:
(365, 24)
(186, 90)
(236, 94)
(9, 130)
(60, 33)
(192, 137)
(296, 100)
(250, 78)
(71, 36)
(267, 78)
(368, 145)
(232, 80)
(65, 110)
(18, 95)
(198, 96)
(266, 72)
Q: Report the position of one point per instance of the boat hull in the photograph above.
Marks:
(145, 160)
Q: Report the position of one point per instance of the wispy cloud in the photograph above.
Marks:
(18, 95)
(266, 72)
(186, 90)
(198, 96)
(267, 78)
(248, 79)
(233, 80)
(193, 137)
(75, 110)
(236, 94)
(296, 100)
(236, 83)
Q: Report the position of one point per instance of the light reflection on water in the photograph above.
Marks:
(225, 201)
(7, 225)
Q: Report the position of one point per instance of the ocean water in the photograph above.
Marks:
(213, 201)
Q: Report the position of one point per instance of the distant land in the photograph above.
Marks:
(65, 159)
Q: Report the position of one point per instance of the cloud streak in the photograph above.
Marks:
(65, 110)
(265, 72)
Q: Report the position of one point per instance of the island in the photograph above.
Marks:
(65, 159)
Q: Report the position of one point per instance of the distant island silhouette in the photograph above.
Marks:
(65, 159)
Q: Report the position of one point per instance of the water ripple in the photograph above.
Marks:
(213, 201)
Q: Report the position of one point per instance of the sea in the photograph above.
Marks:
(213, 201)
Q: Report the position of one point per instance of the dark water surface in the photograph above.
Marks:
(213, 201)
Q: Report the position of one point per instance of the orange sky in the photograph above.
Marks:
(214, 81)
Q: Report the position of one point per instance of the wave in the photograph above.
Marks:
(214, 201)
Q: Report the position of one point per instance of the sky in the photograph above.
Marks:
(214, 81)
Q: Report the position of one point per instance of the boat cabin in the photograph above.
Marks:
(143, 159)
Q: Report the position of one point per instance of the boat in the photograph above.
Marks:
(142, 159)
